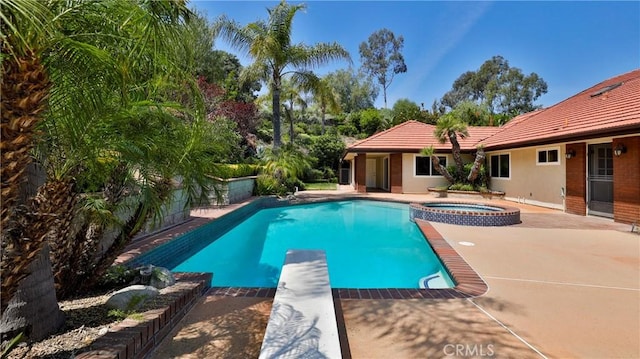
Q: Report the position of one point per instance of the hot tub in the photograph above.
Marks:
(466, 214)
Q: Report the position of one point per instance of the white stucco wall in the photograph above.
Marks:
(530, 182)
(418, 184)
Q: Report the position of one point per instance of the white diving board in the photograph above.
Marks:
(303, 318)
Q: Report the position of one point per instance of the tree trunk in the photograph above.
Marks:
(323, 111)
(34, 307)
(442, 169)
(455, 151)
(475, 169)
(25, 87)
(275, 104)
(290, 115)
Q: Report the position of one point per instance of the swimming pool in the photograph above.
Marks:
(369, 244)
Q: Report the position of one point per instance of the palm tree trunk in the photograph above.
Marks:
(323, 110)
(455, 151)
(34, 307)
(475, 169)
(25, 87)
(442, 169)
(275, 89)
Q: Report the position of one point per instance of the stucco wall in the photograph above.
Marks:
(413, 184)
(539, 184)
(235, 190)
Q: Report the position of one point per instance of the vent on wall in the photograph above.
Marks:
(606, 89)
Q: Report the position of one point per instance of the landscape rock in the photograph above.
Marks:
(132, 297)
(161, 278)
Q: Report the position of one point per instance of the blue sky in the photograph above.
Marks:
(571, 45)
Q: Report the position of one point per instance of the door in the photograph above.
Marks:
(600, 180)
(371, 172)
(345, 172)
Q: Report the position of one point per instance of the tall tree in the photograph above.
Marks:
(269, 44)
(404, 110)
(326, 98)
(217, 66)
(502, 89)
(356, 90)
(381, 57)
(293, 102)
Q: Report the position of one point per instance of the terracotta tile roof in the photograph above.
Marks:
(610, 107)
(413, 136)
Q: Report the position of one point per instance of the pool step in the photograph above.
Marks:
(303, 318)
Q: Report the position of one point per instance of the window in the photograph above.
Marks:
(548, 157)
(424, 166)
(500, 166)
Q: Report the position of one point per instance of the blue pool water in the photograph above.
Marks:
(368, 244)
(462, 207)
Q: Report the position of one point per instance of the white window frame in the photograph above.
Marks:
(510, 166)
(415, 156)
(547, 149)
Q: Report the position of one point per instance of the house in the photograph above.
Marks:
(581, 155)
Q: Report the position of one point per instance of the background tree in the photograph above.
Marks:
(371, 121)
(217, 66)
(356, 90)
(268, 43)
(328, 149)
(326, 98)
(293, 104)
(499, 87)
(381, 58)
(404, 110)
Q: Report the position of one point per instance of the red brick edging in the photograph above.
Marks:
(136, 339)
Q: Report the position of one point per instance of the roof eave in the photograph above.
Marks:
(583, 136)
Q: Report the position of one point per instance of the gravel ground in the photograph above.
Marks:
(86, 320)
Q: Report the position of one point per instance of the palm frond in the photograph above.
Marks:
(24, 25)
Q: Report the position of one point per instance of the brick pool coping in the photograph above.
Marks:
(468, 282)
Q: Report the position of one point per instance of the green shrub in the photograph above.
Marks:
(266, 185)
(461, 187)
(117, 276)
(313, 175)
(238, 170)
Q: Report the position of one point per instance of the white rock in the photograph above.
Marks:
(132, 297)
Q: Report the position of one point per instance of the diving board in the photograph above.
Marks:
(303, 318)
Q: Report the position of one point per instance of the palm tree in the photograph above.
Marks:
(326, 98)
(269, 45)
(293, 99)
(107, 120)
(448, 128)
(25, 88)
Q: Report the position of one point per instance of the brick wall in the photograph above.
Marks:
(396, 172)
(361, 173)
(626, 181)
(576, 180)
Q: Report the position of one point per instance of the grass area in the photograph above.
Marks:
(320, 186)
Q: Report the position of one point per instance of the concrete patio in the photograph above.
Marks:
(559, 286)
